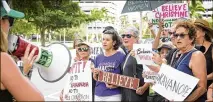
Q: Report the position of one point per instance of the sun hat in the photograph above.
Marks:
(204, 24)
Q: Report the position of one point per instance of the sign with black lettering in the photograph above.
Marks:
(79, 84)
(142, 5)
(143, 53)
(149, 75)
(119, 80)
(96, 49)
(173, 84)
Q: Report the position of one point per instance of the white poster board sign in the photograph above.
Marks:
(168, 12)
(143, 53)
(173, 84)
(96, 49)
(79, 85)
(73, 55)
(149, 75)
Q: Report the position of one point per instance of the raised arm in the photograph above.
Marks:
(18, 85)
(157, 38)
(152, 31)
(198, 66)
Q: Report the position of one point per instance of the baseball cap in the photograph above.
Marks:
(165, 46)
(84, 43)
(7, 11)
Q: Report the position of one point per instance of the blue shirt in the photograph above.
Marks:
(109, 64)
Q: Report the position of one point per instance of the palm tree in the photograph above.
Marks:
(195, 7)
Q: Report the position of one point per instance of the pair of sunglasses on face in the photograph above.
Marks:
(10, 19)
(127, 35)
(182, 35)
(83, 49)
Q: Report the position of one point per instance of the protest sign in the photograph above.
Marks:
(173, 84)
(149, 75)
(119, 80)
(73, 55)
(169, 13)
(79, 85)
(143, 53)
(96, 49)
(141, 5)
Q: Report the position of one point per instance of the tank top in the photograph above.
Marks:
(5, 96)
(183, 66)
(209, 63)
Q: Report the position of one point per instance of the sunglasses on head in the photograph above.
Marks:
(127, 35)
(182, 35)
(81, 49)
(10, 19)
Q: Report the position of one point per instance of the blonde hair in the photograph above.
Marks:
(4, 42)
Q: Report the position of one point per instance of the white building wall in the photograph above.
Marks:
(98, 26)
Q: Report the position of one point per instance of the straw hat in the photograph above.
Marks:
(204, 24)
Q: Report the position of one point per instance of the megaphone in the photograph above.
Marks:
(53, 61)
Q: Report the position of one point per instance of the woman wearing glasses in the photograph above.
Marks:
(190, 61)
(110, 61)
(13, 83)
(84, 52)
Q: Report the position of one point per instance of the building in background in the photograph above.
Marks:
(96, 27)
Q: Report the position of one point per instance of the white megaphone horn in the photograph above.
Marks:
(53, 61)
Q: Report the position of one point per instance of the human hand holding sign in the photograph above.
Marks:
(110, 86)
(140, 90)
(161, 24)
(132, 53)
(95, 73)
(156, 58)
(28, 59)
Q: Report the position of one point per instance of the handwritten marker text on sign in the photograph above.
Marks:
(119, 80)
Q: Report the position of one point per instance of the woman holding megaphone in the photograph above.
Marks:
(13, 83)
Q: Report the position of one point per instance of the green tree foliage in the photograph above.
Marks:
(55, 14)
(195, 7)
(124, 23)
(22, 26)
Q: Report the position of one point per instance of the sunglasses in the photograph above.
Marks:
(10, 19)
(127, 35)
(171, 33)
(182, 35)
(83, 49)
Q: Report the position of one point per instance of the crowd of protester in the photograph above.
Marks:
(187, 46)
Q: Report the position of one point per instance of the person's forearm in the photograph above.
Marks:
(210, 76)
(153, 33)
(146, 86)
(157, 40)
(196, 94)
(209, 94)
